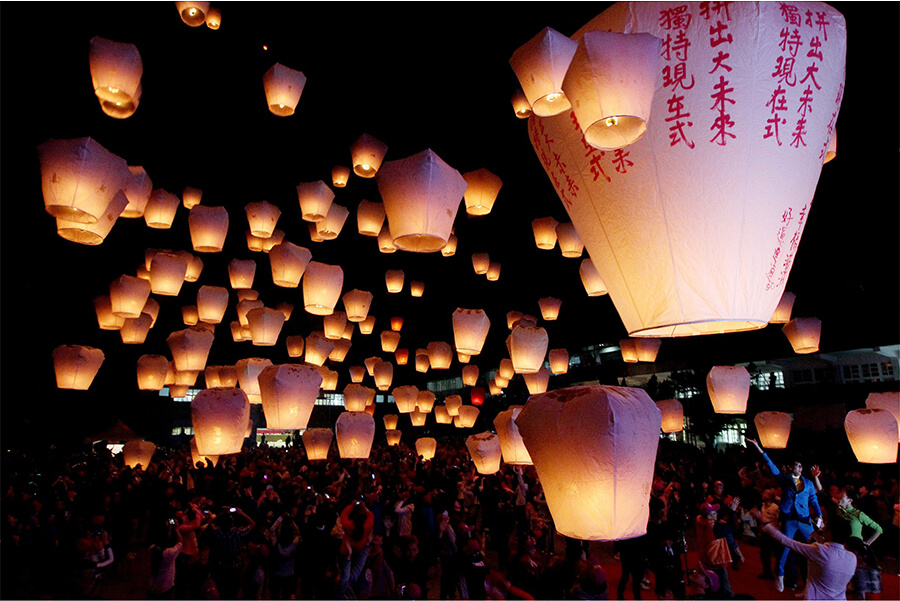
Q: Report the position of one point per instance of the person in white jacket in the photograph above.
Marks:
(404, 511)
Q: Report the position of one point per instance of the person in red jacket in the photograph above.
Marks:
(358, 523)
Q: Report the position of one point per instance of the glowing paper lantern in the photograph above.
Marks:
(214, 21)
(803, 334)
(366, 154)
(416, 288)
(570, 243)
(389, 341)
(426, 448)
(421, 196)
(211, 376)
(315, 200)
(167, 273)
(390, 421)
(485, 451)
(481, 192)
(384, 375)
(647, 349)
(559, 361)
(340, 350)
(512, 318)
(116, 70)
(322, 287)
(314, 233)
(355, 432)
(294, 346)
(520, 104)
(538, 381)
(545, 236)
(729, 388)
(128, 295)
(783, 310)
(470, 375)
(138, 452)
(477, 395)
(549, 307)
(629, 350)
(340, 175)
(590, 278)
(367, 326)
(405, 398)
(244, 307)
(888, 401)
(248, 371)
(283, 89)
(393, 279)
(228, 376)
(527, 348)
(470, 329)
(511, 444)
(607, 436)
(288, 394)
(496, 386)
(440, 355)
(357, 373)
(329, 378)
(196, 457)
(212, 301)
(219, 417)
(453, 403)
(463, 358)
(178, 391)
(450, 248)
(401, 355)
(289, 263)
(209, 226)
(690, 174)
(442, 416)
(873, 435)
(425, 401)
(75, 366)
(191, 197)
(265, 325)
(160, 210)
(241, 273)
(467, 416)
(334, 325)
(540, 66)
(105, 317)
(357, 304)
(330, 227)
(369, 218)
(481, 262)
(672, 415)
(195, 266)
(774, 429)
(262, 217)
(317, 442)
(137, 190)
(396, 323)
(386, 241)
(92, 234)
(393, 437)
(190, 348)
(318, 348)
(151, 308)
(193, 13)
(506, 369)
(135, 330)
(417, 418)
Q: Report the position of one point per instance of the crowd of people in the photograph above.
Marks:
(269, 524)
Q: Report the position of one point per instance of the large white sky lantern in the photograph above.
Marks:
(470, 329)
(76, 365)
(288, 262)
(330, 227)
(367, 153)
(872, 434)
(686, 234)
(421, 196)
(262, 217)
(774, 428)
(92, 234)
(288, 394)
(265, 325)
(889, 401)
(355, 431)
(219, 417)
(209, 226)
(190, 348)
(426, 448)
(315, 200)
(322, 285)
(594, 449)
(212, 301)
(482, 190)
(803, 334)
(540, 65)
(357, 304)
(485, 451)
(283, 89)
(369, 218)
(116, 70)
(610, 84)
(729, 388)
(527, 348)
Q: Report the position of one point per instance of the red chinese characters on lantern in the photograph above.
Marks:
(676, 44)
(720, 39)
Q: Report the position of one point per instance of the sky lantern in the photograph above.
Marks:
(330, 227)
(527, 348)
(512, 318)
(329, 378)
(348, 331)
(709, 246)
(265, 325)
(559, 361)
(481, 262)
(367, 326)
(116, 70)
(426, 448)
(647, 349)
(449, 249)
(318, 348)
(421, 196)
(194, 266)
(209, 227)
(262, 217)
(340, 350)
(191, 197)
(322, 286)
(160, 210)
(79, 178)
(511, 444)
(463, 358)
(610, 83)
(416, 288)
(393, 437)
(314, 233)
(441, 415)
(357, 373)
(872, 434)
(453, 403)
(521, 106)
(386, 240)
(105, 317)
(135, 330)
(167, 271)
(393, 279)
(283, 87)
(228, 376)
(244, 307)
(782, 312)
(506, 369)
(729, 388)
(774, 429)
(248, 370)
(315, 200)
(470, 375)
(549, 307)
(212, 302)
(396, 323)
(590, 278)
(672, 415)
(317, 442)
(340, 175)
(369, 218)
(401, 355)
(384, 375)
(470, 330)
(357, 304)
(237, 332)
(628, 346)
(494, 387)
(481, 192)
(178, 391)
(138, 452)
(288, 262)
(803, 334)
(219, 417)
(467, 416)
(389, 341)
(367, 153)
(493, 272)
(76, 366)
(211, 376)
(540, 66)
(355, 432)
(570, 243)
(440, 355)
(888, 401)
(544, 229)
(371, 362)
(485, 451)
(128, 295)
(334, 324)
(606, 435)
(190, 348)
(214, 18)
(417, 418)
(425, 401)
(254, 243)
(196, 457)
(538, 381)
(356, 397)
(92, 234)
(193, 13)
(476, 395)
(390, 421)
(137, 190)
(405, 398)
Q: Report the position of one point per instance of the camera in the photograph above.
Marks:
(171, 522)
(232, 510)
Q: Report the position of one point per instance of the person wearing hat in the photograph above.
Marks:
(706, 537)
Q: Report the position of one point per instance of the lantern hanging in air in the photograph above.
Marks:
(512, 318)
(92, 234)
(237, 332)
(873, 435)
(672, 415)
(128, 295)
(194, 266)
(449, 249)
(209, 227)
(248, 371)
(329, 378)
(467, 416)
(255, 243)
(178, 391)
(167, 271)
(511, 444)
(137, 190)
(405, 398)
(506, 369)
(315, 200)
(355, 432)
(401, 355)
(340, 175)
(550, 307)
(416, 288)
(318, 348)
(647, 349)
(540, 66)
(356, 397)
(559, 361)
(544, 230)
(193, 13)
(241, 273)
(393, 437)
(485, 451)
(686, 193)
(116, 70)
(493, 272)
(497, 385)
(190, 348)
(228, 376)
(314, 233)
(288, 262)
(590, 278)
(357, 373)
(191, 197)
(369, 218)
(160, 210)
(442, 416)
(782, 312)
(340, 350)
(367, 326)
(390, 421)
(322, 286)
(367, 153)
(608, 437)
(570, 243)
(196, 457)
(520, 104)
(440, 355)
(610, 83)
(265, 325)
(538, 381)
(138, 452)
(418, 418)
(476, 394)
(330, 227)
(219, 417)
(75, 366)
(105, 317)
(481, 192)
(774, 429)
(628, 347)
(470, 375)
(135, 330)
(463, 358)
(151, 308)
(357, 304)
(214, 20)
(317, 442)
(425, 401)
(453, 403)
(334, 325)
(283, 87)
(888, 401)
(393, 279)
(426, 448)
(470, 330)
(211, 376)
(262, 217)
(212, 301)
(803, 334)
(386, 240)
(481, 262)
(371, 362)
(729, 388)
(244, 307)
(389, 341)
(527, 348)
(421, 196)
(396, 323)
(384, 375)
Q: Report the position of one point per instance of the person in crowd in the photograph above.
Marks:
(225, 545)
(163, 558)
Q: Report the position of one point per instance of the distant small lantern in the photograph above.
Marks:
(425, 401)
(105, 317)
(497, 385)
(294, 346)
(212, 302)
(672, 415)
(888, 401)
(396, 323)
(255, 243)
(135, 330)
(512, 318)
(209, 227)
(540, 66)
(873, 435)
(357, 304)
(628, 347)
(559, 361)
(590, 278)
(803, 334)
(405, 398)
(116, 70)
(426, 448)
(384, 375)
(520, 104)
(151, 308)
(527, 348)
(418, 418)
(390, 421)
(214, 18)
(463, 358)
(283, 87)
(357, 373)
(262, 217)
(219, 417)
(470, 375)
(481, 192)
(647, 349)
(440, 355)
(195, 266)
(449, 249)
(190, 348)
(470, 330)
(265, 325)
(386, 240)
(322, 286)
(511, 444)
(476, 394)
(318, 348)
(340, 175)
(329, 378)
(570, 242)
(493, 272)
(196, 457)
(538, 382)
(160, 210)
(314, 233)
(138, 452)
(421, 196)
(128, 295)
(211, 376)
(193, 13)
(550, 307)
(467, 417)
(178, 391)
(485, 451)
(191, 197)
(356, 397)
(442, 416)
(237, 332)
(544, 229)
(244, 307)
(167, 271)
(370, 218)
(401, 355)
(481, 262)
(367, 326)
(416, 288)
(288, 262)
(93, 234)
(248, 370)
(367, 153)
(228, 376)
(76, 366)
(610, 83)
(729, 388)
(453, 403)
(389, 341)
(774, 429)
(506, 369)
(393, 437)
(355, 432)
(334, 324)
(330, 227)
(137, 190)
(783, 310)
(317, 442)
(393, 278)
(315, 200)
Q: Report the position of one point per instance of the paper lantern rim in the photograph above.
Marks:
(420, 243)
(700, 327)
(615, 131)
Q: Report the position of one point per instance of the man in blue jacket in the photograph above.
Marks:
(799, 507)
